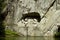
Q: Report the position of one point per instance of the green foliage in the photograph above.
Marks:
(2, 18)
(10, 33)
(2, 5)
(57, 34)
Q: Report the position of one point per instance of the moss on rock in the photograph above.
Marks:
(10, 33)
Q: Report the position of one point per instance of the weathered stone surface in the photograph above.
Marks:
(50, 17)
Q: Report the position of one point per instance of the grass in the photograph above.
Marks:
(10, 33)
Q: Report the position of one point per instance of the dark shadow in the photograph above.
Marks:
(2, 18)
(32, 15)
(2, 27)
(35, 0)
(57, 38)
(58, 31)
(58, 28)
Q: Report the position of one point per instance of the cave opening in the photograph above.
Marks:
(32, 15)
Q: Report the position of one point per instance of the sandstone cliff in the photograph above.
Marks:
(23, 16)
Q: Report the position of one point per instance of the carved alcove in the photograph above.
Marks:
(32, 15)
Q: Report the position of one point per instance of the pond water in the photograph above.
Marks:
(29, 38)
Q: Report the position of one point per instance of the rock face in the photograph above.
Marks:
(49, 15)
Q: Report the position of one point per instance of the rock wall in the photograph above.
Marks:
(48, 11)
